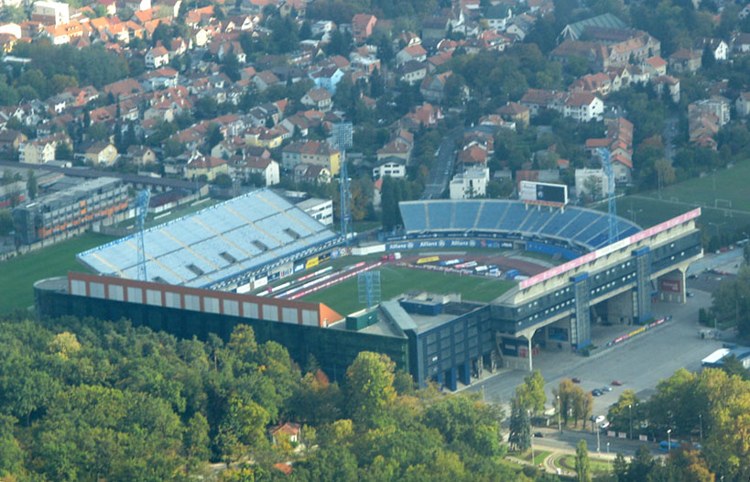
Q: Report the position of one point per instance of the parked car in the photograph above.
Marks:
(575, 380)
(596, 392)
(616, 383)
(606, 388)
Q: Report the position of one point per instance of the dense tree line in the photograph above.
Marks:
(88, 400)
(55, 68)
(709, 408)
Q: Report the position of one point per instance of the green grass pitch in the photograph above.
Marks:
(394, 281)
(18, 275)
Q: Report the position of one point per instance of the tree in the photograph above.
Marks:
(11, 454)
(620, 468)
(519, 436)
(583, 465)
(531, 394)
(369, 389)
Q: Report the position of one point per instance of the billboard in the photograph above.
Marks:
(543, 192)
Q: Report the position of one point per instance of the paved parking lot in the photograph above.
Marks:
(640, 363)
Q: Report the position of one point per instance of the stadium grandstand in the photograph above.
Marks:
(257, 236)
(582, 229)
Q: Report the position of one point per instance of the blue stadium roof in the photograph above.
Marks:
(218, 243)
(584, 227)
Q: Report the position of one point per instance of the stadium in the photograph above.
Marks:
(225, 265)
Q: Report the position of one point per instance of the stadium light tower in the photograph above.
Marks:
(342, 136)
(141, 209)
(607, 165)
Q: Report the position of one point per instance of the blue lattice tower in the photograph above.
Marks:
(342, 137)
(368, 287)
(612, 201)
(141, 209)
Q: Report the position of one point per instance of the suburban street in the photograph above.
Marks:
(441, 173)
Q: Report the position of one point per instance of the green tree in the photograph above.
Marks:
(369, 389)
(582, 465)
(531, 394)
(11, 454)
(519, 436)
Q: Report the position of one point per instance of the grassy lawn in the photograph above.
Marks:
(539, 456)
(18, 275)
(598, 466)
(721, 196)
(394, 281)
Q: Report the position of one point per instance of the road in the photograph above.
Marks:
(441, 172)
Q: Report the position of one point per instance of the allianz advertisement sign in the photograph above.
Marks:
(447, 243)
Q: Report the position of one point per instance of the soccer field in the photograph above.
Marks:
(722, 197)
(18, 275)
(394, 281)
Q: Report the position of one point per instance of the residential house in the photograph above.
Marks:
(289, 432)
(400, 146)
(472, 156)
(265, 168)
(685, 61)
(667, 85)
(515, 112)
(598, 84)
(37, 151)
(313, 153)
(390, 166)
(411, 52)
(718, 48)
(583, 107)
(742, 104)
(327, 77)
(469, 184)
(199, 166)
(433, 86)
(318, 98)
(362, 26)
(141, 155)
(425, 115)
(539, 99)
(655, 66)
(264, 137)
(50, 13)
(498, 16)
(716, 105)
(311, 173)
(412, 72)
(741, 43)
(101, 153)
(10, 141)
(265, 79)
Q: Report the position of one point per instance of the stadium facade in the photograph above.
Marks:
(440, 338)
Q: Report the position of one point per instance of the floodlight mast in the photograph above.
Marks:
(141, 209)
(604, 154)
(342, 133)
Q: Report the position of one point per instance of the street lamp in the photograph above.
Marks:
(559, 420)
(531, 438)
(598, 447)
(669, 440)
(607, 448)
(700, 418)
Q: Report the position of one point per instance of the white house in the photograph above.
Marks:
(470, 183)
(157, 57)
(583, 107)
(390, 166)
